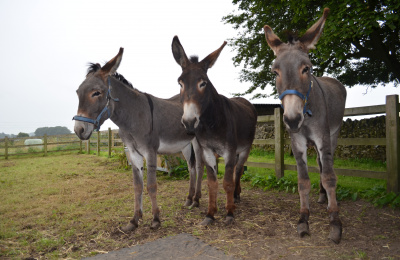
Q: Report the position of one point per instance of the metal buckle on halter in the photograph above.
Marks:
(96, 122)
(297, 93)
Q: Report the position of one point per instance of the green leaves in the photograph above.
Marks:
(354, 46)
(267, 182)
(180, 171)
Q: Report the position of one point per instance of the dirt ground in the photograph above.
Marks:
(265, 221)
(265, 228)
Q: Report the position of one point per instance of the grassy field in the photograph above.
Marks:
(57, 191)
(70, 206)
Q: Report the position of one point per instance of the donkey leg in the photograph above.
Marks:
(322, 192)
(238, 189)
(152, 189)
(137, 169)
(242, 158)
(229, 188)
(329, 180)
(299, 146)
(212, 182)
(187, 153)
(199, 170)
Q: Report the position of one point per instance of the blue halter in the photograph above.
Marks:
(96, 122)
(297, 93)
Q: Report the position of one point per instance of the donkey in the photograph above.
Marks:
(223, 127)
(313, 114)
(147, 126)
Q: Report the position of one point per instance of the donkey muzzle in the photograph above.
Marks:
(83, 129)
(190, 125)
(293, 123)
(190, 118)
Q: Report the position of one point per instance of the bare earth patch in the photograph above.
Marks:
(91, 205)
(265, 228)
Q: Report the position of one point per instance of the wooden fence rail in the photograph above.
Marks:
(8, 143)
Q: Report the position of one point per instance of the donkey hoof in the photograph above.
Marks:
(130, 227)
(322, 198)
(155, 224)
(335, 233)
(195, 204)
(335, 226)
(229, 220)
(207, 221)
(237, 199)
(303, 229)
(187, 203)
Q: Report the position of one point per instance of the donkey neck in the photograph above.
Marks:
(214, 114)
(131, 104)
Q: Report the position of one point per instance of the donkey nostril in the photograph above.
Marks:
(293, 123)
(285, 118)
(79, 131)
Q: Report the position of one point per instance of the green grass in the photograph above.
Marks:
(53, 192)
(348, 187)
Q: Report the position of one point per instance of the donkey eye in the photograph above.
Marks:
(95, 94)
(275, 72)
(203, 84)
(306, 69)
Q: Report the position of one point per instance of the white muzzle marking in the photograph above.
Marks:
(293, 109)
(190, 113)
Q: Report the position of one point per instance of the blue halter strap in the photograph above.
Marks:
(96, 122)
(297, 93)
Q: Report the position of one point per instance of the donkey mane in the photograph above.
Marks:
(93, 67)
(194, 59)
(292, 37)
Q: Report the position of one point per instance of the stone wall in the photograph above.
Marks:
(365, 128)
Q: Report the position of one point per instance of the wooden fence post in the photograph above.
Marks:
(279, 161)
(6, 147)
(88, 146)
(98, 143)
(110, 137)
(45, 144)
(392, 144)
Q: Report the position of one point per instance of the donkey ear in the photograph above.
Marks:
(311, 37)
(179, 53)
(111, 67)
(272, 39)
(212, 58)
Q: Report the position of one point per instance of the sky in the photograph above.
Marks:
(46, 45)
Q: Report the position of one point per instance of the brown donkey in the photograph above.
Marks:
(223, 127)
(313, 114)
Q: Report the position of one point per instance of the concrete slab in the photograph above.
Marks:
(182, 246)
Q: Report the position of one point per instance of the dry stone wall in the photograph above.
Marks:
(365, 128)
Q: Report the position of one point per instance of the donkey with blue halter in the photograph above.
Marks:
(313, 114)
(223, 127)
(147, 126)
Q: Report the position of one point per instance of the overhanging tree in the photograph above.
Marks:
(360, 43)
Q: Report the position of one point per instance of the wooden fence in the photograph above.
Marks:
(99, 140)
(392, 143)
